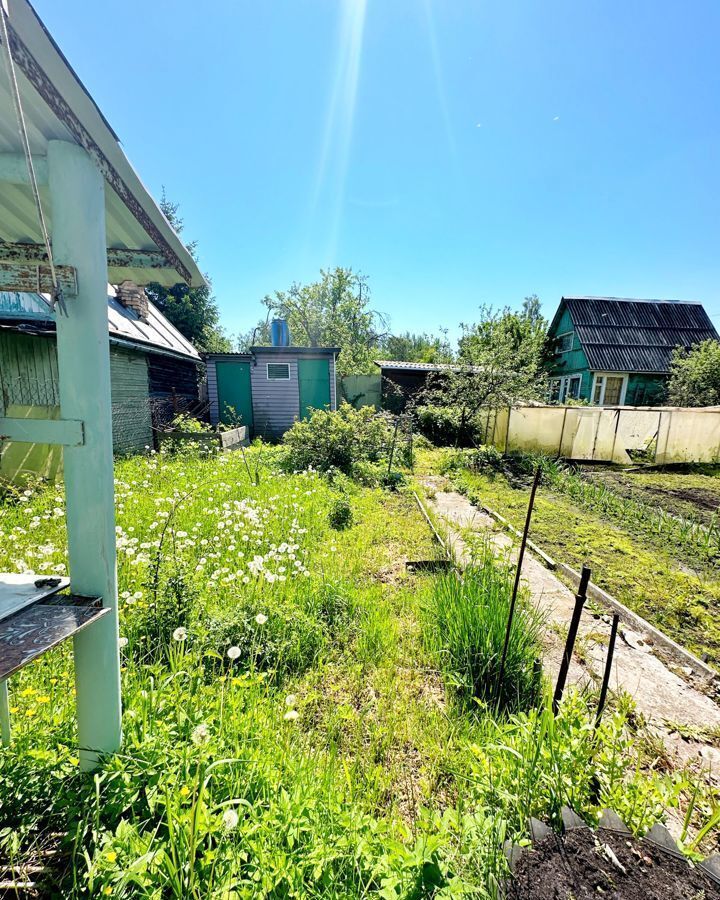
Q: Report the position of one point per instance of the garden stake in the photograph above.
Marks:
(580, 598)
(594, 780)
(516, 585)
(608, 668)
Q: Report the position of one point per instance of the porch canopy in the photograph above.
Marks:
(102, 226)
(141, 245)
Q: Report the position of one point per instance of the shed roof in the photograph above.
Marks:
(627, 335)
(57, 106)
(29, 313)
(300, 351)
(423, 367)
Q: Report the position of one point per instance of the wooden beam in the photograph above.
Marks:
(66, 432)
(36, 278)
(117, 257)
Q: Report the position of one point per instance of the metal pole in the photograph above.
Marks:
(608, 669)
(580, 598)
(77, 193)
(516, 585)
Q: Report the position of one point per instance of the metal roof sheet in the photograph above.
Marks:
(57, 106)
(423, 367)
(627, 335)
(157, 334)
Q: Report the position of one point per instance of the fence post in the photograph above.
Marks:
(580, 598)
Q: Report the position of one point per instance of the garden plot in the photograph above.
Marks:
(670, 580)
(298, 720)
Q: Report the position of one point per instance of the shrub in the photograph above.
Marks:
(443, 425)
(337, 440)
(340, 515)
(466, 620)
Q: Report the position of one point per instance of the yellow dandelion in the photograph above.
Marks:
(111, 857)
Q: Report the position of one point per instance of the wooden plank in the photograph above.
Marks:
(36, 278)
(117, 257)
(67, 432)
(38, 628)
(19, 591)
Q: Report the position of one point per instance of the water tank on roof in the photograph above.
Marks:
(279, 333)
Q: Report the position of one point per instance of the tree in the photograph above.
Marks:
(695, 375)
(332, 312)
(193, 311)
(410, 347)
(501, 361)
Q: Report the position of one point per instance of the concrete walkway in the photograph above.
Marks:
(660, 695)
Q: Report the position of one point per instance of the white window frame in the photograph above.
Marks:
(600, 381)
(563, 383)
(275, 378)
(559, 338)
(570, 378)
(552, 385)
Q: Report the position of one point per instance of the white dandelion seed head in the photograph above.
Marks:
(261, 618)
(180, 634)
(233, 652)
(291, 715)
(230, 819)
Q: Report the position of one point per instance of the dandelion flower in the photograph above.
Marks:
(290, 700)
(111, 856)
(291, 715)
(180, 634)
(230, 819)
(122, 642)
(261, 619)
(201, 734)
(233, 652)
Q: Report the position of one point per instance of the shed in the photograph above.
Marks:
(616, 351)
(153, 371)
(269, 388)
(402, 381)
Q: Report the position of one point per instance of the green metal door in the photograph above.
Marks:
(314, 379)
(234, 393)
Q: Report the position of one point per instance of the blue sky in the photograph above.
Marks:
(457, 152)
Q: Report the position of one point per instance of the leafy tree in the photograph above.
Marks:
(332, 312)
(501, 361)
(695, 375)
(193, 311)
(410, 347)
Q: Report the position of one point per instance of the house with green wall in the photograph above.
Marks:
(613, 351)
(154, 372)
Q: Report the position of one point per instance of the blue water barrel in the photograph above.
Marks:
(279, 333)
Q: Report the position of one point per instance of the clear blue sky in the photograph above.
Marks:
(455, 151)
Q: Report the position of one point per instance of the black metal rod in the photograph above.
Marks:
(608, 669)
(516, 585)
(580, 598)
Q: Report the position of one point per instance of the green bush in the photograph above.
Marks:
(466, 620)
(337, 440)
(443, 426)
(340, 515)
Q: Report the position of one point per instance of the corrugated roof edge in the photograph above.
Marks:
(301, 350)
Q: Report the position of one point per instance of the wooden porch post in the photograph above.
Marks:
(78, 239)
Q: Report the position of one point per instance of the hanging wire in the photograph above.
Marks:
(57, 292)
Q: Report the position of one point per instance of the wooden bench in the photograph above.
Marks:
(36, 614)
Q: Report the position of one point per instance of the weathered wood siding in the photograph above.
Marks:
(129, 385)
(29, 378)
(276, 404)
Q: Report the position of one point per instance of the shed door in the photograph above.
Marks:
(234, 393)
(314, 378)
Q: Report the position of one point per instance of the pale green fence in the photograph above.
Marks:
(360, 390)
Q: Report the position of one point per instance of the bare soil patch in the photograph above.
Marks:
(583, 864)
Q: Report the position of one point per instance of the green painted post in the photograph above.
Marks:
(4, 713)
(77, 196)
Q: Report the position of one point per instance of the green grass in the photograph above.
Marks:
(322, 757)
(467, 620)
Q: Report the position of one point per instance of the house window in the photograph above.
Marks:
(574, 387)
(278, 371)
(554, 390)
(565, 342)
(609, 389)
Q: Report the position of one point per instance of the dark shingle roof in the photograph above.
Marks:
(621, 335)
